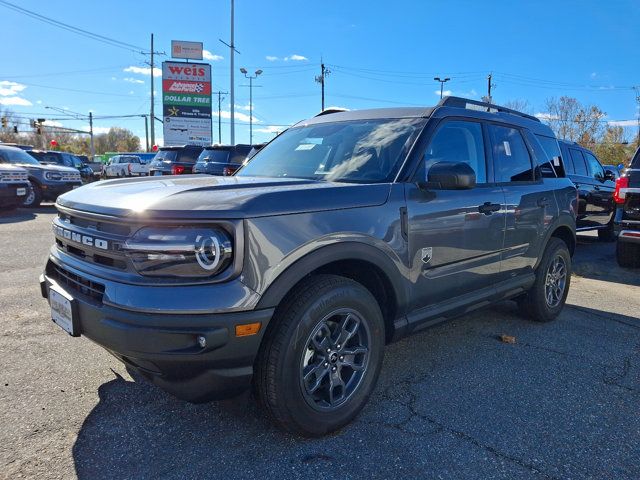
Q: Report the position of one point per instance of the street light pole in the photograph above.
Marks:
(251, 78)
(442, 82)
(93, 150)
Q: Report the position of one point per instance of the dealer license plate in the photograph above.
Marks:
(62, 309)
(21, 192)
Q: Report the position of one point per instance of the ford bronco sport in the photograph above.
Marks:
(348, 231)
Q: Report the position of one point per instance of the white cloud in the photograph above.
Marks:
(271, 58)
(133, 80)
(96, 130)
(296, 58)
(15, 101)
(270, 129)
(242, 117)
(10, 88)
(594, 74)
(144, 70)
(623, 123)
(546, 116)
(207, 55)
(445, 93)
(246, 107)
(52, 123)
(39, 102)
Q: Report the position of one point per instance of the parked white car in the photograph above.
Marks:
(125, 166)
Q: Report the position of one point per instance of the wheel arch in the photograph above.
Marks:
(565, 231)
(360, 262)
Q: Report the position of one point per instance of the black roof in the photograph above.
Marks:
(448, 106)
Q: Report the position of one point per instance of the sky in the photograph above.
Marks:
(379, 53)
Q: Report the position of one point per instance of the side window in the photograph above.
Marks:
(458, 141)
(595, 169)
(3, 158)
(512, 161)
(66, 160)
(566, 160)
(579, 164)
(553, 156)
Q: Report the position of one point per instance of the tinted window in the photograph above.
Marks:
(215, 155)
(188, 155)
(511, 157)
(553, 155)
(17, 156)
(351, 151)
(595, 169)
(579, 165)
(635, 163)
(458, 141)
(165, 155)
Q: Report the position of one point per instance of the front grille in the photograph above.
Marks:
(76, 283)
(120, 229)
(7, 176)
(69, 177)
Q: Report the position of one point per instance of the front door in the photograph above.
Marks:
(455, 236)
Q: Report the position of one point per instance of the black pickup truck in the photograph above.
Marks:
(627, 221)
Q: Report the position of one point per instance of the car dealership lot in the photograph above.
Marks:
(452, 401)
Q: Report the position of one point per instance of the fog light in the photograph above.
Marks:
(202, 342)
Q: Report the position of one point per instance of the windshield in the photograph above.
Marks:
(214, 155)
(17, 156)
(364, 151)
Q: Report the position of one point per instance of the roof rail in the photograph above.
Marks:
(460, 102)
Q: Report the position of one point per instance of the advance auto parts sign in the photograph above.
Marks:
(186, 103)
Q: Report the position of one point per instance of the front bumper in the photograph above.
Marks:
(51, 191)
(164, 347)
(9, 193)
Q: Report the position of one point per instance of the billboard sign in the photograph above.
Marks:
(188, 50)
(186, 103)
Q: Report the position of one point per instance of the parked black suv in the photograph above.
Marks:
(627, 222)
(174, 160)
(221, 159)
(596, 208)
(348, 231)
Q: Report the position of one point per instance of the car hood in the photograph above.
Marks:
(48, 167)
(205, 197)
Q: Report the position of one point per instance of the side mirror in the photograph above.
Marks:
(450, 176)
(609, 175)
(620, 167)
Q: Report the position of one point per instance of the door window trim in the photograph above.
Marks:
(536, 179)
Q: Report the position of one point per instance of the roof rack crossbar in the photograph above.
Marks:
(490, 107)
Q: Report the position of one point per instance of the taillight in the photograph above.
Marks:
(177, 169)
(622, 182)
(227, 171)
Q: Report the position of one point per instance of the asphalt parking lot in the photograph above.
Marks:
(452, 402)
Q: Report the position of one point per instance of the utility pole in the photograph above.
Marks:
(152, 112)
(320, 79)
(442, 82)
(489, 87)
(220, 98)
(146, 132)
(232, 50)
(637, 89)
(251, 78)
(93, 150)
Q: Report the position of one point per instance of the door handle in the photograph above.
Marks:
(488, 208)
(543, 202)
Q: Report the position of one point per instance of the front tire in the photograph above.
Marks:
(546, 298)
(628, 254)
(34, 197)
(321, 358)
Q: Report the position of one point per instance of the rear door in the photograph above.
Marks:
(529, 202)
(454, 236)
(579, 175)
(601, 203)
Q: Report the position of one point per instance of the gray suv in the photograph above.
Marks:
(348, 231)
(46, 182)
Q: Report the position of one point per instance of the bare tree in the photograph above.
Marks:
(519, 105)
(570, 120)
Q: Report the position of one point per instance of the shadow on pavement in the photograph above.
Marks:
(597, 260)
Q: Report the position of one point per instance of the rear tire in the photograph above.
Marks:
(628, 254)
(544, 301)
(607, 234)
(320, 359)
(34, 197)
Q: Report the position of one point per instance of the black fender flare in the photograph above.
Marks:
(563, 221)
(325, 255)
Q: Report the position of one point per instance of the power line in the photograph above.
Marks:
(79, 31)
(73, 72)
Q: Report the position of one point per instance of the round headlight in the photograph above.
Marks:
(180, 251)
(53, 176)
